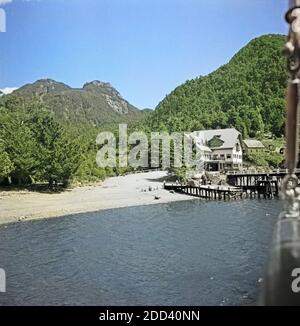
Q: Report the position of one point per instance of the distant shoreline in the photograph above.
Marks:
(116, 192)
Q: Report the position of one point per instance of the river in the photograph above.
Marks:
(181, 253)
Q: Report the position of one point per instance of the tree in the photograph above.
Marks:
(6, 166)
(65, 160)
(20, 146)
(36, 147)
(59, 149)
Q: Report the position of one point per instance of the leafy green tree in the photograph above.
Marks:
(6, 166)
(258, 159)
(20, 146)
(37, 147)
(65, 160)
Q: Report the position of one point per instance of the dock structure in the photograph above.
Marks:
(252, 177)
(206, 192)
(246, 184)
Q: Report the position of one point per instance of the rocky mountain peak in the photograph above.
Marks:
(96, 102)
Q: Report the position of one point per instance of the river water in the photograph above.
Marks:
(181, 253)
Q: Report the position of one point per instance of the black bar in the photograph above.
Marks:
(91, 315)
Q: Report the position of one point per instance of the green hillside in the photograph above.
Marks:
(247, 93)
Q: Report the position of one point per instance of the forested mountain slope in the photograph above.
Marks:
(247, 93)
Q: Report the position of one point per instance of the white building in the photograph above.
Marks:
(222, 148)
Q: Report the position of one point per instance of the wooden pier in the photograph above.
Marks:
(206, 192)
(248, 184)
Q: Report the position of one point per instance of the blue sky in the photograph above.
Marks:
(145, 48)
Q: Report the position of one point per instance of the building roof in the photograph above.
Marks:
(253, 143)
(200, 144)
(204, 148)
(229, 137)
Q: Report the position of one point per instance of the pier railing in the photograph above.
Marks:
(264, 189)
(254, 172)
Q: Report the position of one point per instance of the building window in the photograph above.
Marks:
(228, 156)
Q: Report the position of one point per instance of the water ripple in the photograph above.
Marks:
(187, 253)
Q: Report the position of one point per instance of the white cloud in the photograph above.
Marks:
(8, 90)
(5, 2)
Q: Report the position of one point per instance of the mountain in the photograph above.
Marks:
(96, 102)
(247, 93)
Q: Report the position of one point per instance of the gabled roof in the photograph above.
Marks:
(253, 143)
(204, 148)
(200, 144)
(229, 136)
